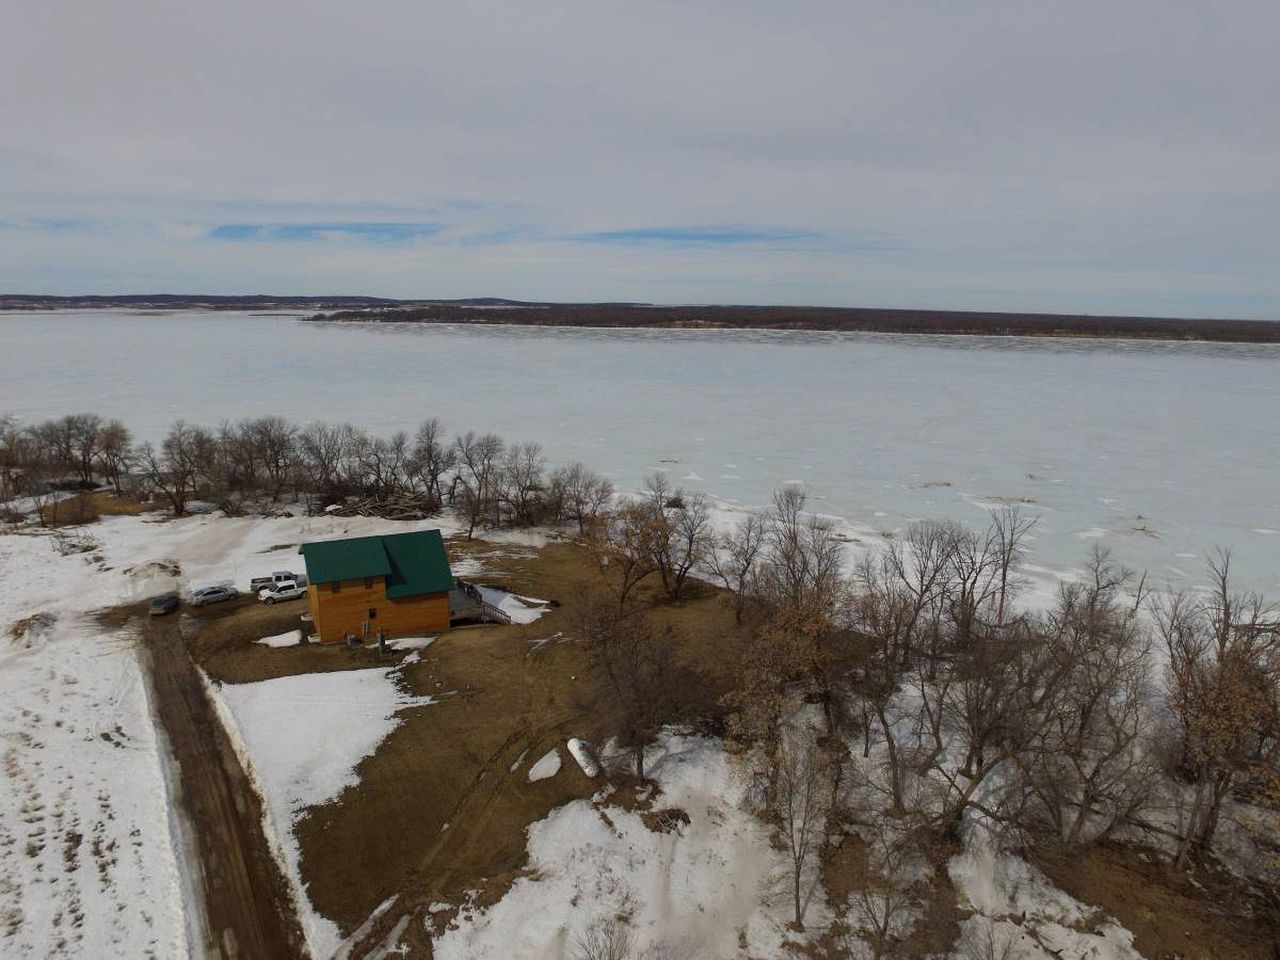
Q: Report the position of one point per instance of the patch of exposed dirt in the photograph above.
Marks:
(248, 905)
(1170, 913)
(845, 869)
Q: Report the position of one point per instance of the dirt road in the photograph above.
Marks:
(247, 900)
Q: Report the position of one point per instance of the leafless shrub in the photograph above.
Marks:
(885, 905)
(989, 941)
(605, 938)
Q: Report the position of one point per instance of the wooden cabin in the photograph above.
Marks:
(398, 584)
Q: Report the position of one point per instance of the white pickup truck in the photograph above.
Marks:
(280, 576)
(284, 590)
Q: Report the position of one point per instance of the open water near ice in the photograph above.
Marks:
(1160, 451)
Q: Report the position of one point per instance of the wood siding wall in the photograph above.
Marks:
(334, 615)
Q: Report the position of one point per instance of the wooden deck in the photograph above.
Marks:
(467, 606)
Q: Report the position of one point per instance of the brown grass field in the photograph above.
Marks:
(89, 507)
(439, 811)
(503, 697)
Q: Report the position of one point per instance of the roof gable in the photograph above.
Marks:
(413, 563)
(419, 564)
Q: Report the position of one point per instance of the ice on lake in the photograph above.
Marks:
(1156, 450)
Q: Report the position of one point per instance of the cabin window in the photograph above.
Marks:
(368, 583)
(373, 613)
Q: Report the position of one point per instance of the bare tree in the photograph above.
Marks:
(934, 607)
(38, 480)
(14, 454)
(583, 494)
(1007, 534)
(768, 668)
(735, 557)
(479, 458)
(681, 532)
(800, 803)
(1085, 766)
(990, 941)
(623, 543)
(175, 468)
(380, 465)
(323, 450)
(240, 458)
(432, 460)
(892, 611)
(637, 662)
(276, 442)
(53, 449)
(84, 437)
(1222, 689)
(521, 481)
(803, 553)
(115, 452)
(884, 902)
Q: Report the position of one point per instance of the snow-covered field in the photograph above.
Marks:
(1159, 450)
(90, 861)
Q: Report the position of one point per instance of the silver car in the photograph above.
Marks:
(213, 595)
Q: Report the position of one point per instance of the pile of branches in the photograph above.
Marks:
(398, 506)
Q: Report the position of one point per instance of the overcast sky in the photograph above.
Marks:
(1078, 156)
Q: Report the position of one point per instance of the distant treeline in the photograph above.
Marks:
(864, 320)
(482, 310)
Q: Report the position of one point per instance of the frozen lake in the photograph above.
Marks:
(1158, 450)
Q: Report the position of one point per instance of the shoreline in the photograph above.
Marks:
(493, 312)
(907, 323)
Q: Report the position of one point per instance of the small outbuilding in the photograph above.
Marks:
(398, 584)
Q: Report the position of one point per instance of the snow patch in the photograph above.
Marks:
(290, 639)
(695, 891)
(520, 609)
(548, 766)
(1015, 904)
(411, 643)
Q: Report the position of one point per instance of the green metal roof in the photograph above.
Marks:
(413, 563)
